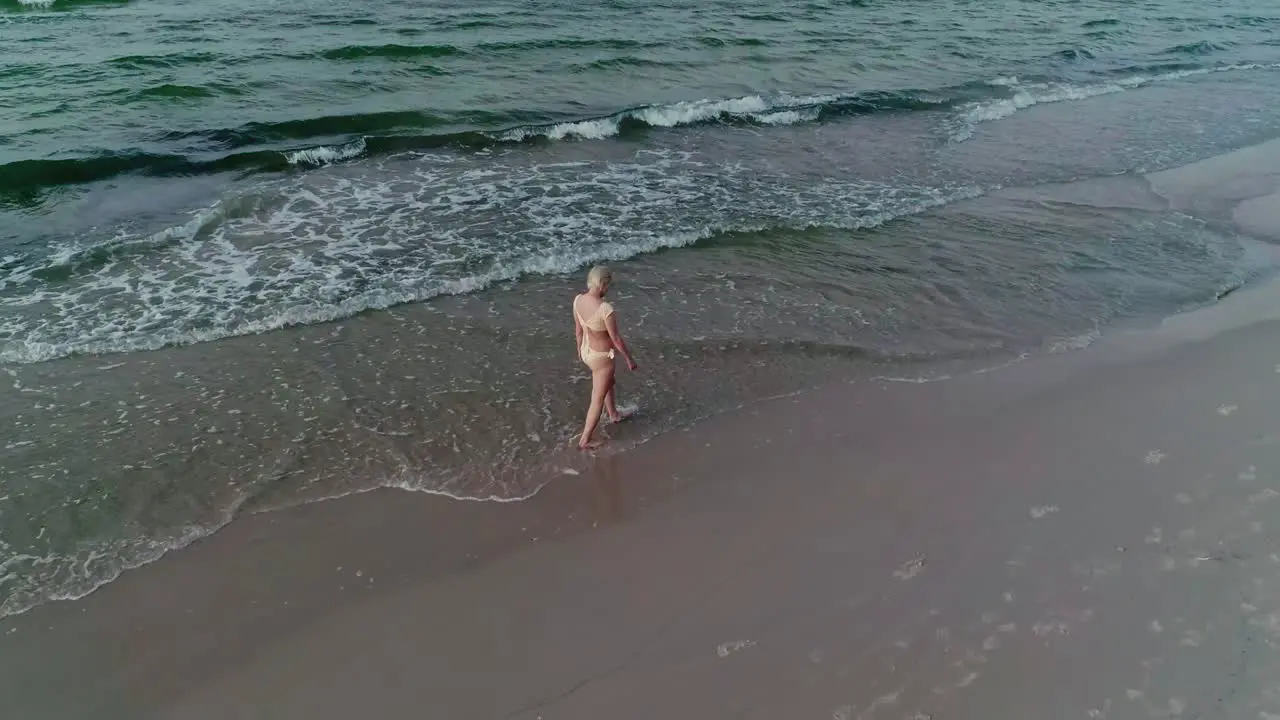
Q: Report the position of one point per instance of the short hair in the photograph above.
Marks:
(598, 277)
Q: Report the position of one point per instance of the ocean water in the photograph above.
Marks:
(256, 254)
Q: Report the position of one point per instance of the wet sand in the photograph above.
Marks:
(1245, 185)
(1088, 535)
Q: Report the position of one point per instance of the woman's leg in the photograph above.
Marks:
(610, 405)
(601, 384)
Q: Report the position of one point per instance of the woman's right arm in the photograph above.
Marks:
(611, 324)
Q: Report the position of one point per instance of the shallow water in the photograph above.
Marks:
(256, 255)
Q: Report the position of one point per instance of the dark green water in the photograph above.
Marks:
(259, 253)
(96, 89)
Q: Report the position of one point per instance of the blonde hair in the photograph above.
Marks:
(599, 277)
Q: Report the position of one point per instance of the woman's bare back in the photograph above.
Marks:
(588, 310)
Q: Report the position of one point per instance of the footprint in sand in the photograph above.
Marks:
(724, 650)
(1266, 494)
(1041, 511)
(967, 680)
(909, 569)
(1191, 638)
(1047, 628)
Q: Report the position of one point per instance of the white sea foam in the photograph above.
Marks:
(687, 113)
(779, 110)
(42, 4)
(1027, 95)
(404, 229)
(789, 117)
(597, 129)
(326, 154)
(1076, 342)
(587, 129)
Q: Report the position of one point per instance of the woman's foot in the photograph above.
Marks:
(589, 444)
(621, 415)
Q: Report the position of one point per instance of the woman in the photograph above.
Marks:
(596, 330)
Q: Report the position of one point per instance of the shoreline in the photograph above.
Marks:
(329, 608)
(389, 598)
(1234, 188)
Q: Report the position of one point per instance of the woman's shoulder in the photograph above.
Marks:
(600, 308)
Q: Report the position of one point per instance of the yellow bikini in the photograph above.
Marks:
(589, 355)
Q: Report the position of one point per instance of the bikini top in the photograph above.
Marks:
(596, 323)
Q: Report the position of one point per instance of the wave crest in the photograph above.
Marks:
(1204, 47)
(390, 51)
(326, 154)
(1029, 94)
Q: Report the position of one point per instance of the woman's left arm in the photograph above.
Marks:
(615, 335)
